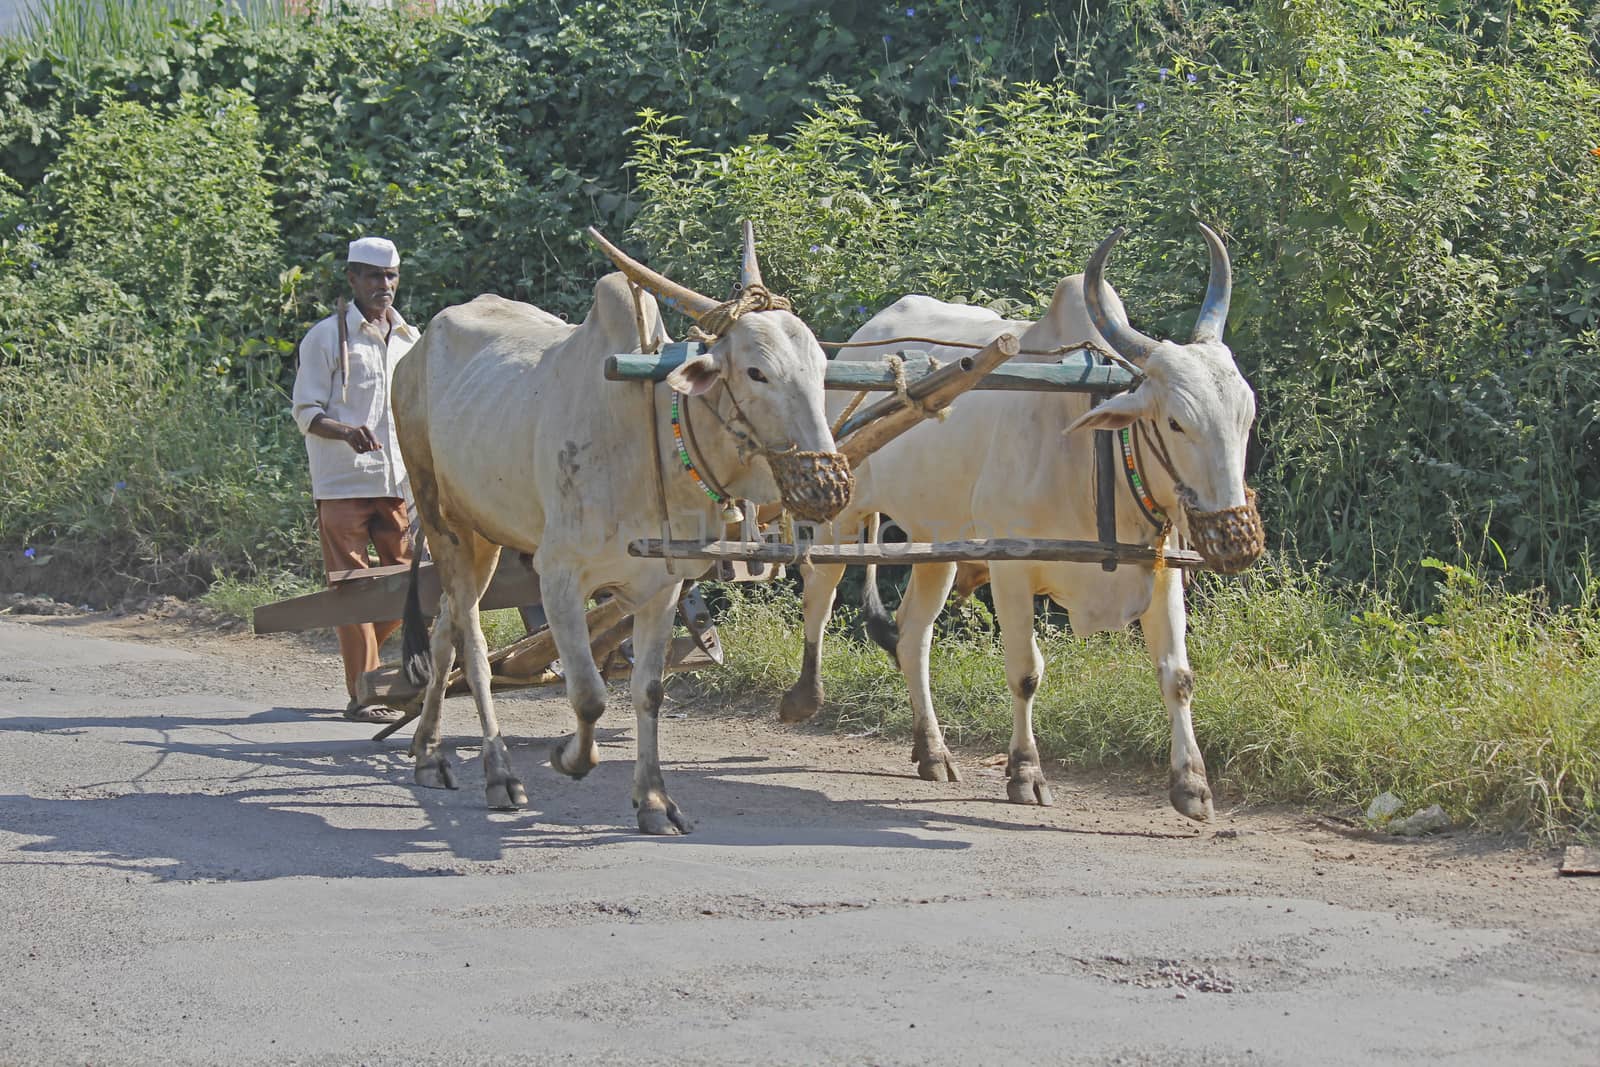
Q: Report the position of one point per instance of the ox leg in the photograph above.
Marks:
(432, 768)
(652, 631)
(803, 698)
(919, 608)
(503, 790)
(1164, 624)
(1013, 606)
(577, 754)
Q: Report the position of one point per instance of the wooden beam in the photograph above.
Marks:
(970, 551)
(381, 597)
(936, 391)
(1078, 373)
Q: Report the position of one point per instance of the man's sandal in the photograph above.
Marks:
(372, 713)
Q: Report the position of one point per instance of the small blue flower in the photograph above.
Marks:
(1163, 72)
(911, 12)
(1193, 77)
(954, 80)
(816, 248)
(1299, 120)
(887, 38)
(1139, 106)
(861, 309)
(982, 129)
(120, 485)
(21, 228)
(978, 39)
(35, 266)
(1427, 111)
(28, 552)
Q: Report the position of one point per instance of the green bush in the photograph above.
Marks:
(173, 205)
(129, 451)
(1412, 211)
(849, 219)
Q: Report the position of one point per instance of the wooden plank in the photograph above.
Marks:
(515, 584)
(970, 551)
(1076, 374)
(1578, 860)
(340, 577)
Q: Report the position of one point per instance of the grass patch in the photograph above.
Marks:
(238, 598)
(1488, 705)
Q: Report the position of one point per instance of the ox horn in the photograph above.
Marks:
(678, 296)
(1129, 343)
(1219, 291)
(749, 269)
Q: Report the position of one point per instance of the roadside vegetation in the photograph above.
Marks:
(1411, 192)
(1308, 692)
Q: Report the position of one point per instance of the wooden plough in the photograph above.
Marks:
(919, 390)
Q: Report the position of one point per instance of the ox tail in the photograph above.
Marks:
(880, 624)
(415, 655)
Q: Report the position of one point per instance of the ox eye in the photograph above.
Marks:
(756, 375)
(1173, 423)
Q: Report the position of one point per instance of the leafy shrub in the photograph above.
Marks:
(1411, 211)
(173, 205)
(849, 219)
(130, 454)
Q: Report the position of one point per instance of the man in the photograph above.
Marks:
(341, 404)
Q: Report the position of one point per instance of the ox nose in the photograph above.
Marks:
(814, 486)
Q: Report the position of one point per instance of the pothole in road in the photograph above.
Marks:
(1183, 976)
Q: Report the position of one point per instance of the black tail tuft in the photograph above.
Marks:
(415, 655)
(880, 624)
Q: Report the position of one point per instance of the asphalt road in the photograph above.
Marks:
(201, 864)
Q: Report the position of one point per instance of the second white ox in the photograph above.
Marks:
(513, 438)
(1022, 465)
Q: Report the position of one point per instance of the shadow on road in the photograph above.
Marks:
(217, 805)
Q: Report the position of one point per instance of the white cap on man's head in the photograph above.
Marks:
(375, 251)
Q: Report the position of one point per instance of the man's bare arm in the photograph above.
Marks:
(359, 438)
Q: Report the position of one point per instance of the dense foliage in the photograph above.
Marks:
(1412, 207)
(1410, 191)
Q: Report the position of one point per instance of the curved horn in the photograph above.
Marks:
(1129, 343)
(1219, 290)
(749, 269)
(674, 295)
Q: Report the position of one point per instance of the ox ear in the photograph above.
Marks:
(1124, 409)
(695, 376)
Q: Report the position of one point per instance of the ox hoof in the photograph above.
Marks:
(1191, 796)
(663, 820)
(433, 772)
(576, 768)
(506, 795)
(799, 705)
(1029, 789)
(938, 767)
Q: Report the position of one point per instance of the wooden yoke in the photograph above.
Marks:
(889, 418)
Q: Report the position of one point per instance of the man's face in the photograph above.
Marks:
(373, 287)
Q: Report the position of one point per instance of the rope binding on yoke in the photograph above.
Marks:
(720, 319)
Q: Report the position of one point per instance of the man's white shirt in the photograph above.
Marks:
(337, 471)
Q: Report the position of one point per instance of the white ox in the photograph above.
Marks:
(513, 439)
(1009, 464)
